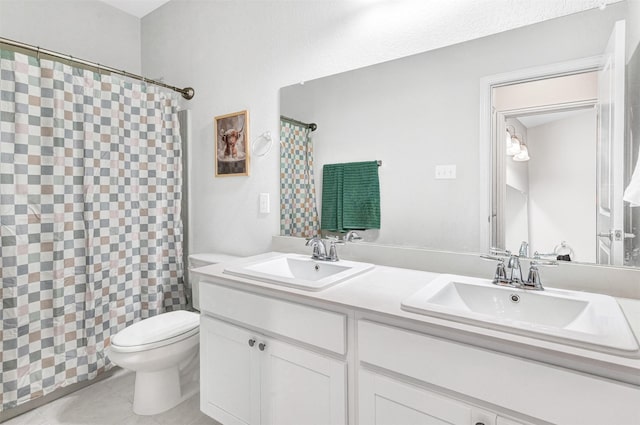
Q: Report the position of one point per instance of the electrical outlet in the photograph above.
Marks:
(447, 172)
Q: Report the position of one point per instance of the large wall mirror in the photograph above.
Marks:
(455, 106)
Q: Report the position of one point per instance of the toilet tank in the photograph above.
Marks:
(201, 260)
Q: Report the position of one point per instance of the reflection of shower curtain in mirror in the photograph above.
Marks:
(298, 212)
(90, 231)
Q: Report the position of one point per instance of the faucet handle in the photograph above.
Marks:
(533, 280)
(333, 251)
(500, 277)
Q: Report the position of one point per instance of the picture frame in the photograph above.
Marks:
(232, 153)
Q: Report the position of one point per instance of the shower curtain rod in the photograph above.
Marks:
(311, 126)
(187, 92)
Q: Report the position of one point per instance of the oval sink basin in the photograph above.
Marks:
(583, 319)
(299, 271)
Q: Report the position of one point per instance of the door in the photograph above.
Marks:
(302, 387)
(610, 170)
(229, 373)
(385, 401)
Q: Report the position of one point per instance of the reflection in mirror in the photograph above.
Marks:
(547, 174)
(550, 197)
(570, 188)
(423, 111)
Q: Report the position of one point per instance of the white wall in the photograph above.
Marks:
(87, 29)
(562, 193)
(516, 219)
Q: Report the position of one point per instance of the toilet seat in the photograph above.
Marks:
(156, 331)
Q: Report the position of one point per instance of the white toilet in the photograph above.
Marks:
(163, 350)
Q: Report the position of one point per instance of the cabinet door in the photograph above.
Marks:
(385, 401)
(301, 387)
(229, 373)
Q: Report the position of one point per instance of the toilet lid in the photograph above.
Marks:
(157, 328)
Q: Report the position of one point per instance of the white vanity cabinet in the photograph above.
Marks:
(229, 373)
(539, 392)
(387, 401)
(281, 358)
(250, 378)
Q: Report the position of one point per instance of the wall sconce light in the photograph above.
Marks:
(523, 155)
(513, 142)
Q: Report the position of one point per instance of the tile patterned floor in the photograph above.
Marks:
(109, 402)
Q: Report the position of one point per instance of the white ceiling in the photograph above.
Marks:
(138, 8)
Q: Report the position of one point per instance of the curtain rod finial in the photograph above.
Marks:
(188, 93)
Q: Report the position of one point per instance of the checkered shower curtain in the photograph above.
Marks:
(298, 211)
(90, 231)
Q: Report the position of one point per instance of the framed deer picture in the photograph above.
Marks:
(232, 144)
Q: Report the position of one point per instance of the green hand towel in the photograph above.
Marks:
(361, 196)
(332, 185)
(350, 196)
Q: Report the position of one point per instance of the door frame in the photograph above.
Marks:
(488, 131)
(614, 54)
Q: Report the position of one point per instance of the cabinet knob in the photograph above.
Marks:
(262, 346)
(252, 342)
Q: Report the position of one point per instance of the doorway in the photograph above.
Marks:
(550, 187)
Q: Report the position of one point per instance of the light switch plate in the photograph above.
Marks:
(264, 203)
(445, 172)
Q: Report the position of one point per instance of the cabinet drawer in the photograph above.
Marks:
(387, 401)
(541, 391)
(321, 328)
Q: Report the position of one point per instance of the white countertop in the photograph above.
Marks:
(381, 290)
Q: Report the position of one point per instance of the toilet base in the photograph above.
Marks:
(147, 401)
(158, 391)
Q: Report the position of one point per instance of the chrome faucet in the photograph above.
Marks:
(514, 278)
(352, 236)
(320, 250)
